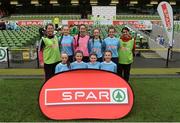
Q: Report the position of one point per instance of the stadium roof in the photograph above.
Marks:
(80, 6)
(92, 2)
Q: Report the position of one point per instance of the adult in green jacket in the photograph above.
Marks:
(126, 51)
(49, 52)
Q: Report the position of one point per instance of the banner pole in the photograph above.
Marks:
(8, 58)
(170, 50)
(172, 42)
(167, 60)
(37, 58)
(166, 14)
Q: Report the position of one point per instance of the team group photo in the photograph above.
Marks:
(89, 60)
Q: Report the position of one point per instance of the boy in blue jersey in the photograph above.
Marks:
(93, 64)
(64, 65)
(78, 64)
(113, 44)
(66, 43)
(95, 44)
(108, 65)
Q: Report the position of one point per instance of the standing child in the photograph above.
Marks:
(93, 64)
(66, 43)
(108, 64)
(81, 42)
(111, 43)
(78, 64)
(95, 44)
(64, 65)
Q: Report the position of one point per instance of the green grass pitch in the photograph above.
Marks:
(155, 100)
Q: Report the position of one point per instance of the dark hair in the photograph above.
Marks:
(106, 52)
(93, 54)
(78, 51)
(59, 29)
(79, 33)
(60, 40)
(99, 39)
(49, 24)
(78, 39)
(111, 27)
(124, 28)
(82, 25)
(68, 62)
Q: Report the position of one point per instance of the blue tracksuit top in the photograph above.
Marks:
(93, 65)
(76, 65)
(67, 45)
(61, 67)
(112, 44)
(111, 66)
(96, 47)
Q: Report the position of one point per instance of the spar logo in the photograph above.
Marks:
(81, 94)
(2, 53)
(166, 17)
(67, 96)
(169, 29)
(119, 95)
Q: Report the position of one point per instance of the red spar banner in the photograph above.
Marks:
(30, 22)
(79, 22)
(139, 24)
(81, 94)
(166, 15)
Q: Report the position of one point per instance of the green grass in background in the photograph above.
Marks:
(133, 71)
(155, 100)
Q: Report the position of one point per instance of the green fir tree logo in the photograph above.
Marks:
(119, 95)
(2, 54)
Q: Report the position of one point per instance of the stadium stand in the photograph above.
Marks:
(134, 17)
(44, 17)
(27, 35)
(177, 27)
(137, 17)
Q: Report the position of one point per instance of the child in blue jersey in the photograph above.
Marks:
(113, 44)
(108, 64)
(66, 43)
(93, 64)
(95, 44)
(64, 65)
(78, 64)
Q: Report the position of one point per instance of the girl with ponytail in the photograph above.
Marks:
(81, 42)
(95, 44)
(66, 43)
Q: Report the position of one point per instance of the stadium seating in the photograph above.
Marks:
(44, 17)
(137, 17)
(77, 17)
(177, 27)
(134, 17)
(27, 35)
(104, 34)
